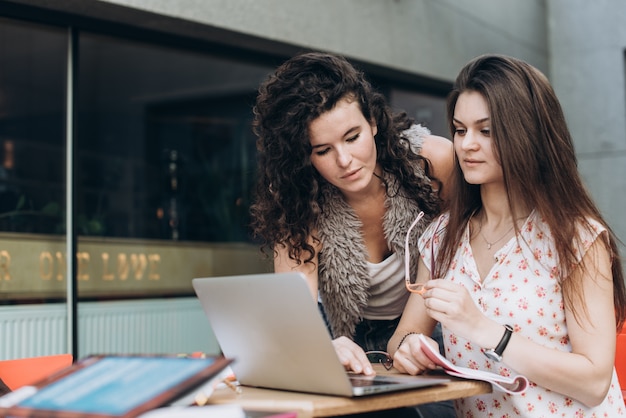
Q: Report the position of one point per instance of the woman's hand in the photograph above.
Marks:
(409, 357)
(451, 305)
(352, 356)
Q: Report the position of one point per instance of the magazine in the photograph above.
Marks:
(511, 385)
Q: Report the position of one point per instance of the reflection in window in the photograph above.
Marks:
(427, 110)
(205, 167)
(32, 135)
(164, 138)
(166, 149)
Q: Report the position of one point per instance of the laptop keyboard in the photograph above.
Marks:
(365, 381)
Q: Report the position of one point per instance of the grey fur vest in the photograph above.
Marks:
(343, 273)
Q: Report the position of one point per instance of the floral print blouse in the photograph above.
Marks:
(522, 290)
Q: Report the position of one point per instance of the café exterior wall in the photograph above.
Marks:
(587, 41)
(425, 38)
(430, 38)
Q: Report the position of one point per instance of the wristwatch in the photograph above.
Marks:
(495, 354)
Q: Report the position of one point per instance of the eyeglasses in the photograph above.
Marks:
(381, 357)
(418, 287)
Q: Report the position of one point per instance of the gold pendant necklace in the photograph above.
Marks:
(490, 244)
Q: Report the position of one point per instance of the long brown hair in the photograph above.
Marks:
(535, 149)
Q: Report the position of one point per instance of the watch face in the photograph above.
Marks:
(490, 354)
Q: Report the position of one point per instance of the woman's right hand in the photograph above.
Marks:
(352, 356)
(409, 357)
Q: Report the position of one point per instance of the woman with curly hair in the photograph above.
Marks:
(528, 276)
(340, 180)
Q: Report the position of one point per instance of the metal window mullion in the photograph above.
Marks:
(70, 193)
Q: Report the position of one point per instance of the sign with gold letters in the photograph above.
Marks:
(35, 266)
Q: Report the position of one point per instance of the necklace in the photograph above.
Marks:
(490, 244)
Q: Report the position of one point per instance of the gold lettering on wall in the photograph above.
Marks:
(46, 265)
(154, 260)
(82, 267)
(122, 266)
(138, 263)
(33, 266)
(61, 266)
(5, 265)
(105, 268)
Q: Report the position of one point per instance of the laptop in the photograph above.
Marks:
(272, 328)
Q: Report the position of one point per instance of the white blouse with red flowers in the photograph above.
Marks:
(522, 290)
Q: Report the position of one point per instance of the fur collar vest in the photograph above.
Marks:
(343, 276)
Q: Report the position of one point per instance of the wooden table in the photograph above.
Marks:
(312, 405)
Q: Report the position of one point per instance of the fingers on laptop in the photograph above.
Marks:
(352, 356)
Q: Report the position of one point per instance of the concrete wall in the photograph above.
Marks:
(586, 44)
(577, 43)
(431, 38)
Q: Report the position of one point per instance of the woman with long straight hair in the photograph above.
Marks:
(522, 271)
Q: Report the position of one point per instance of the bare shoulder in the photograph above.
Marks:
(437, 148)
(440, 153)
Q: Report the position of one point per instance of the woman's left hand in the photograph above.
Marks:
(452, 305)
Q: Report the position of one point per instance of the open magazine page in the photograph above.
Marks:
(512, 385)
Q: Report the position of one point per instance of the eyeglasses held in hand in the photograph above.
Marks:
(381, 357)
(411, 286)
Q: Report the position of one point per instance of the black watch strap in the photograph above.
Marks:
(496, 353)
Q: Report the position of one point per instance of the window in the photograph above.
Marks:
(32, 128)
(429, 110)
(165, 168)
(166, 148)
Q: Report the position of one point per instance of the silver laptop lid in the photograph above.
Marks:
(270, 325)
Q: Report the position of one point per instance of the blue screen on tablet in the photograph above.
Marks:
(115, 385)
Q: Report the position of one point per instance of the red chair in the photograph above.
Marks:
(620, 360)
(26, 371)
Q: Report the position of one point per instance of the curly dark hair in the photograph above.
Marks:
(288, 195)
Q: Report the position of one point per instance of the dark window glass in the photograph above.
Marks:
(426, 109)
(165, 153)
(32, 127)
(166, 149)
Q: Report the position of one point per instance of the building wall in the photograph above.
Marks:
(432, 38)
(586, 43)
(429, 38)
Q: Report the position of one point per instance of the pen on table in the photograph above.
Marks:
(228, 381)
(202, 397)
